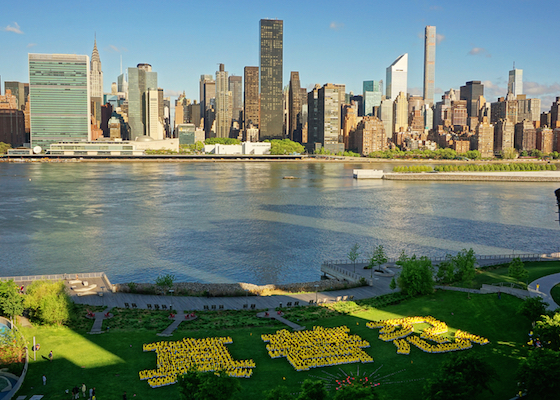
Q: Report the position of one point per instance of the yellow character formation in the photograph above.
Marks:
(207, 354)
(399, 331)
(320, 347)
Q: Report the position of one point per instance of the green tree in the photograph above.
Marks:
(165, 282)
(548, 330)
(461, 377)
(217, 140)
(312, 390)
(378, 258)
(539, 373)
(393, 284)
(533, 308)
(4, 147)
(355, 393)
(285, 146)
(354, 254)
(416, 277)
(11, 301)
(517, 270)
(48, 302)
(460, 267)
(195, 385)
(277, 393)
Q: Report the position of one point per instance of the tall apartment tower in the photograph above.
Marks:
(59, 96)
(140, 79)
(373, 91)
(271, 55)
(235, 84)
(251, 97)
(330, 100)
(515, 81)
(400, 113)
(223, 100)
(471, 92)
(429, 64)
(397, 77)
(294, 108)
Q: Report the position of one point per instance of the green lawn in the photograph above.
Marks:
(111, 361)
(499, 273)
(555, 293)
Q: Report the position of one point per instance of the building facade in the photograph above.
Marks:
(223, 103)
(373, 92)
(251, 110)
(59, 97)
(397, 77)
(271, 62)
(515, 82)
(429, 64)
(140, 79)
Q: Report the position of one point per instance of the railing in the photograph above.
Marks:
(341, 271)
(58, 277)
(20, 380)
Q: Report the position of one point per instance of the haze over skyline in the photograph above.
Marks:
(328, 41)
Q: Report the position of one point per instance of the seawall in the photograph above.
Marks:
(522, 176)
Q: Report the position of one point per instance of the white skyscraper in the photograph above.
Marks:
(397, 77)
(154, 128)
(96, 75)
(515, 81)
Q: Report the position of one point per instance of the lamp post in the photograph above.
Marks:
(316, 290)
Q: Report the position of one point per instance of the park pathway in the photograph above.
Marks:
(272, 314)
(98, 322)
(545, 285)
(179, 317)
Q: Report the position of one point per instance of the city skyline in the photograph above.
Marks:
(481, 53)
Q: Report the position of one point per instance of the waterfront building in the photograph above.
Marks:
(372, 92)
(140, 79)
(485, 138)
(207, 102)
(429, 64)
(302, 120)
(504, 131)
(313, 115)
(545, 140)
(271, 61)
(370, 135)
(397, 77)
(471, 92)
(330, 101)
(515, 81)
(251, 97)
(223, 104)
(349, 124)
(12, 120)
(525, 136)
(400, 113)
(386, 115)
(235, 86)
(294, 108)
(18, 89)
(152, 121)
(59, 98)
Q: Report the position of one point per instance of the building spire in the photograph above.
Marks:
(95, 53)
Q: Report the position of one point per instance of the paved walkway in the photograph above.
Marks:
(545, 284)
(98, 322)
(272, 314)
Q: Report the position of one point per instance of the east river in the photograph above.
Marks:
(242, 222)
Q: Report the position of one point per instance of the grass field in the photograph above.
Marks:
(555, 293)
(499, 273)
(111, 361)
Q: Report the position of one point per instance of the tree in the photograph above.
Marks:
(285, 146)
(509, 153)
(312, 390)
(393, 284)
(539, 373)
(378, 258)
(217, 140)
(277, 393)
(354, 254)
(4, 147)
(548, 330)
(416, 277)
(165, 282)
(196, 385)
(355, 393)
(533, 308)
(460, 267)
(11, 301)
(461, 377)
(517, 270)
(48, 302)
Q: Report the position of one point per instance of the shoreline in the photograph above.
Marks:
(500, 176)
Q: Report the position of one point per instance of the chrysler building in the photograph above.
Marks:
(96, 75)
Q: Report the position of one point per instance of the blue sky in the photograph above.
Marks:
(341, 41)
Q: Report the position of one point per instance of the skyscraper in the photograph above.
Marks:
(397, 77)
(236, 88)
(515, 81)
(20, 90)
(472, 92)
(271, 53)
(59, 96)
(294, 107)
(429, 64)
(329, 116)
(96, 74)
(140, 79)
(251, 97)
(373, 91)
(223, 100)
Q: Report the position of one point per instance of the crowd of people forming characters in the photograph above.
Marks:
(320, 347)
(402, 338)
(206, 354)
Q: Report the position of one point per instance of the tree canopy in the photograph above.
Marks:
(285, 146)
(196, 385)
(538, 374)
(217, 140)
(460, 267)
(11, 301)
(517, 270)
(533, 308)
(48, 302)
(416, 277)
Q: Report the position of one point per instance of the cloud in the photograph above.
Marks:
(492, 91)
(536, 89)
(335, 26)
(439, 38)
(479, 51)
(415, 91)
(15, 29)
(116, 49)
(172, 93)
(30, 45)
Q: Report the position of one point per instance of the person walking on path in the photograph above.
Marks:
(44, 380)
(50, 355)
(84, 389)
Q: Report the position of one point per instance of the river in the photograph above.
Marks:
(241, 221)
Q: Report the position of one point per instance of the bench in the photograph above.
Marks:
(163, 307)
(134, 305)
(221, 307)
(245, 305)
(289, 304)
(126, 305)
(149, 306)
(156, 306)
(296, 303)
(205, 307)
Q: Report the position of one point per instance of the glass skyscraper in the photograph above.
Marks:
(429, 64)
(59, 96)
(271, 55)
(140, 79)
(373, 91)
